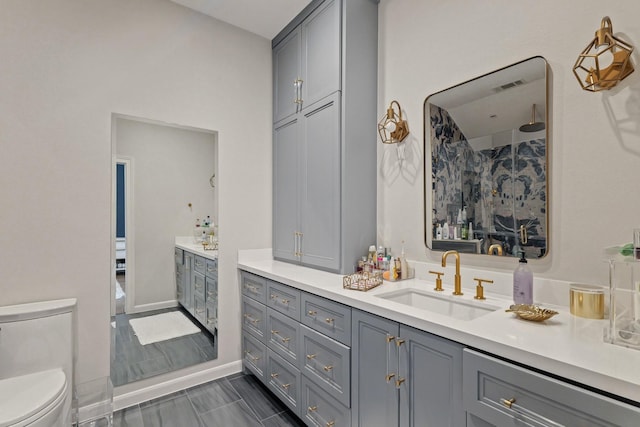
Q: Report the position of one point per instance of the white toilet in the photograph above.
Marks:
(36, 364)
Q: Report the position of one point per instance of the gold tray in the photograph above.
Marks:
(531, 312)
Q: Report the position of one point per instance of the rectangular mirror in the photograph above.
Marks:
(486, 145)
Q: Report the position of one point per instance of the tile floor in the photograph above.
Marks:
(132, 361)
(238, 400)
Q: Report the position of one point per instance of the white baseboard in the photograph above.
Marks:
(154, 306)
(171, 386)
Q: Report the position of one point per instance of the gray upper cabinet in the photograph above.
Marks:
(286, 76)
(324, 161)
(404, 377)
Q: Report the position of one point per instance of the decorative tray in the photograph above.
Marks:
(362, 281)
(531, 312)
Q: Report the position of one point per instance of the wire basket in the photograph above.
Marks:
(362, 281)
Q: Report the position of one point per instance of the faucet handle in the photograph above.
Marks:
(438, 280)
(479, 288)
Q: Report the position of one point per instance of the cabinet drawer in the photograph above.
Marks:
(198, 285)
(282, 336)
(536, 399)
(255, 355)
(284, 299)
(331, 318)
(284, 380)
(199, 309)
(254, 287)
(327, 363)
(254, 317)
(211, 288)
(199, 264)
(211, 320)
(320, 409)
(211, 268)
(179, 254)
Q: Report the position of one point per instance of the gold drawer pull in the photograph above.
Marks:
(274, 375)
(200, 311)
(285, 386)
(272, 296)
(311, 356)
(390, 338)
(508, 402)
(399, 381)
(251, 356)
(251, 288)
(330, 423)
(251, 319)
(285, 301)
(399, 342)
(312, 313)
(327, 368)
(329, 320)
(312, 408)
(388, 377)
(283, 339)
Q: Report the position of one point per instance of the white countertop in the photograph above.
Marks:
(188, 244)
(565, 345)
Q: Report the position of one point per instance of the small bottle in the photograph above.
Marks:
(470, 231)
(204, 237)
(465, 232)
(197, 222)
(439, 232)
(523, 282)
(464, 214)
(404, 269)
(445, 231)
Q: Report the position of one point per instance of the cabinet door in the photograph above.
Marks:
(431, 395)
(321, 53)
(286, 158)
(373, 368)
(188, 281)
(286, 76)
(320, 180)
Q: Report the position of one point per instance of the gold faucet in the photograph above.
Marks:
(497, 247)
(457, 290)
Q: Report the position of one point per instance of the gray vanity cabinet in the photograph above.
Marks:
(294, 355)
(499, 393)
(404, 377)
(324, 153)
(197, 287)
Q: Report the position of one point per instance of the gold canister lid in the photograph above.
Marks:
(586, 301)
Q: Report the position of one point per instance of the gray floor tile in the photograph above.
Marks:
(180, 356)
(212, 395)
(235, 414)
(283, 419)
(128, 417)
(170, 412)
(259, 399)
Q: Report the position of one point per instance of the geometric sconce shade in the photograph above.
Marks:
(605, 61)
(392, 128)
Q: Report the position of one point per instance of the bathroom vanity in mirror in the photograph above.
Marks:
(486, 146)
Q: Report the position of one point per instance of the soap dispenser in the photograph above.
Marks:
(523, 282)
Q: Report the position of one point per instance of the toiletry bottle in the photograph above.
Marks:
(523, 282)
(404, 270)
(465, 232)
(445, 231)
(439, 232)
(470, 231)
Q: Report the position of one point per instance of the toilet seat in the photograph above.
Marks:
(26, 398)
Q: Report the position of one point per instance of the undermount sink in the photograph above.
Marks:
(444, 305)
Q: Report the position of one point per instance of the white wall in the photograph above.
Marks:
(169, 176)
(427, 46)
(66, 66)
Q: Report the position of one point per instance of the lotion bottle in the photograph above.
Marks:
(445, 231)
(523, 282)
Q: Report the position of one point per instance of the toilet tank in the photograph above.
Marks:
(36, 337)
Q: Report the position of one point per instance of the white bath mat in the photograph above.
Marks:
(162, 327)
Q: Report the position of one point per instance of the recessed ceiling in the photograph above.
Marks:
(263, 17)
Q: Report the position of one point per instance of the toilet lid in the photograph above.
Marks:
(26, 395)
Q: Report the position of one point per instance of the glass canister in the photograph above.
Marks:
(624, 306)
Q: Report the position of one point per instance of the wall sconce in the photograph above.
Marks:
(392, 128)
(605, 61)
